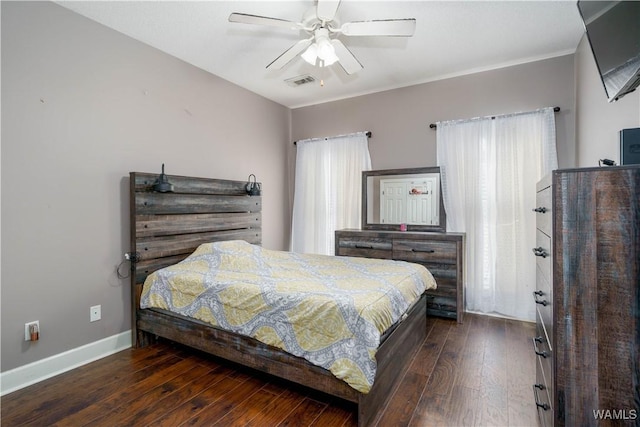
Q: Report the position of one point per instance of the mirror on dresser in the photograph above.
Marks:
(410, 196)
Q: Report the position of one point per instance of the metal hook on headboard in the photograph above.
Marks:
(253, 188)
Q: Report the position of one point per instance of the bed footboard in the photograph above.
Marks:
(393, 357)
(243, 350)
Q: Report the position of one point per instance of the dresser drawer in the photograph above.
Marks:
(368, 247)
(543, 351)
(425, 251)
(443, 301)
(442, 271)
(445, 287)
(442, 306)
(544, 374)
(542, 396)
(544, 307)
(543, 211)
(542, 251)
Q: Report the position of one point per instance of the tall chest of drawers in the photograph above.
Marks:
(589, 352)
(441, 253)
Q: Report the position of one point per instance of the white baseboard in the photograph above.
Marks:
(500, 316)
(40, 370)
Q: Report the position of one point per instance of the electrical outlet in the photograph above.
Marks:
(27, 329)
(95, 313)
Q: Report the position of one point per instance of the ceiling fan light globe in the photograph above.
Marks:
(326, 52)
(311, 54)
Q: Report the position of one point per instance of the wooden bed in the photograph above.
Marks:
(167, 227)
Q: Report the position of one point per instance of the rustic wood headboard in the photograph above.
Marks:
(167, 227)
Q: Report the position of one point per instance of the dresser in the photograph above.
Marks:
(587, 252)
(543, 297)
(441, 253)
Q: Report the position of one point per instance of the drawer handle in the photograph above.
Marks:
(428, 251)
(537, 340)
(544, 406)
(539, 251)
(537, 294)
(364, 247)
(541, 209)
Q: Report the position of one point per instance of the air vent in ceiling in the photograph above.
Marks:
(300, 80)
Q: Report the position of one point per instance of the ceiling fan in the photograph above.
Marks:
(323, 47)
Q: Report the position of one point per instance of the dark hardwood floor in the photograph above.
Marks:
(476, 373)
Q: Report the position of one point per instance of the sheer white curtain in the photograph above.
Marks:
(489, 170)
(327, 190)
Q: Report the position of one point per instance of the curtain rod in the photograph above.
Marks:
(434, 126)
(368, 133)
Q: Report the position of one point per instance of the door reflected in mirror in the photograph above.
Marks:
(403, 196)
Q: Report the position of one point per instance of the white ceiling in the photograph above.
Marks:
(452, 38)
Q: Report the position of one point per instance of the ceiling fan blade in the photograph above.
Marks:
(290, 53)
(326, 9)
(245, 18)
(383, 27)
(347, 61)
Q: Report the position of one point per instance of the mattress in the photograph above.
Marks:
(329, 310)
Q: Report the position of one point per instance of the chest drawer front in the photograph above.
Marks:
(543, 350)
(442, 306)
(368, 247)
(543, 211)
(543, 259)
(425, 251)
(445, 287)
(443, 271)
(543, 396)
(544, 373)
(544, 299)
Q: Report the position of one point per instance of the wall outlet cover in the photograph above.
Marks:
(95, 313)
(27, 329)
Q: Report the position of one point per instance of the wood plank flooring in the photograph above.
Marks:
(478, 373)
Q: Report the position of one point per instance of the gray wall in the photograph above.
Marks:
(599, 122)
(82, 106)
(399, 119)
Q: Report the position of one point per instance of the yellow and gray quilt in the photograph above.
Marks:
(329, 310)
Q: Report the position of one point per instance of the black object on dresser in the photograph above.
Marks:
(441, 253)
(588, 339)
(630, 146)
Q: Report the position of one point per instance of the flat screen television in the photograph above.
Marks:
(613, 31)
